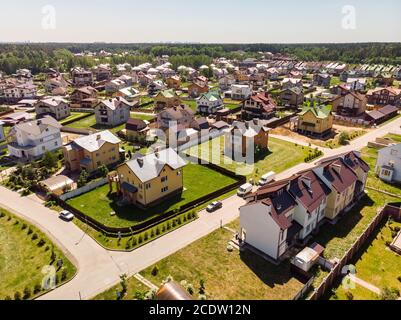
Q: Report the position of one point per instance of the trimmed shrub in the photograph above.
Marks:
(34, 236)
(64, 274)
(17, 296)
(37, 288)
(155, 271)
(27, 293)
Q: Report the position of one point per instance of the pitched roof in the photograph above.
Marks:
(135, 124)
(36, 127)
(115, 103)
(321, 112)
(211, 96)
(178, 112)
(95, 141)
(339, 174)
(150, 166)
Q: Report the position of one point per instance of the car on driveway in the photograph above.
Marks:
(66, 215)
(214, 206)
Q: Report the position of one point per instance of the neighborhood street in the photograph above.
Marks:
(99, 269)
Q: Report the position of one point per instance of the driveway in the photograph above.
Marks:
(99, 269)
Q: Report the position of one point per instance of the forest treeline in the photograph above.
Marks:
(40, 56)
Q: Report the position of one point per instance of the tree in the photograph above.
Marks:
(83, 178)
(123, 283)
(344, 138)
(49, 159)
(103, 170)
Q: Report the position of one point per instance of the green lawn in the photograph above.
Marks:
(73, 116)
(282, 156)
(142, 116)
(359, 293)
(198, 181)
(376, 264)
(22, 257)
(90, 123)
(134, 286)
(227, 275)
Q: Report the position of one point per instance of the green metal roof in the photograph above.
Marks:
(321, 112)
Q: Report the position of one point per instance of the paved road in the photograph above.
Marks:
(100, 269)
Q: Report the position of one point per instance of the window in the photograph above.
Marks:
(165, 189)
(148, 186)
(164, 179)
(56, 143)
(178, 173)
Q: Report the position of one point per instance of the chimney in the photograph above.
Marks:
(98, 137)
(307, 182)
(157, 154)
(140, 162)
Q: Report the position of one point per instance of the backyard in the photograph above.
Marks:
(376, 264)
(24, 251)
(282, 156)
(90, 123)
(198, 182)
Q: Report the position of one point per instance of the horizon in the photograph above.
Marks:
(225, 22)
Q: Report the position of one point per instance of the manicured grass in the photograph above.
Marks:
(90, 123)
(134, 286)
(22, 257)
(337, 239)
(359, 293)
(198, 181)
(335, 143)
(227, 275)
(370, 156)
(335, 81)
(282, 155)
(376, 264)
(142, 116)
(73, 116)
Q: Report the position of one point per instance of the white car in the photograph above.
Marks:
(245, 190)
(66, 215)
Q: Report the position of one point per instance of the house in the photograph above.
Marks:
(209, 103)
(226, 82)
(128, 80)
(342, 179)
(114, 86)
(90, 152)
(352, 104)
(166, 99)
(112, 112)
(102, 72)
(382, 115)
(322, 79)
(385, 80)
(195, 89)
(31, 139)
(292, 97)
(136, 129)
(17, 92)
(57, 107)
(239, 92)
(156, 86)
(144, 79)
(84, 97)
(130, 94)
(15, 118)
(356, 84)
(315, 120)
(181, 115)
(385, 96)
(173, 82)
(81, 77)
(246, 138)
(291, 83)
(290, 211)
(56, 83)
(388, 166)
(146, 181)
(258, 106)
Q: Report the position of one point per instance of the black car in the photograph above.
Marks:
(214, 206)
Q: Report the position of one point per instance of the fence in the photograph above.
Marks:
(351, 121)
(84, 189)
(133, 230)
(388, 211)
(304, 290)
(86, 110)
(77, 131)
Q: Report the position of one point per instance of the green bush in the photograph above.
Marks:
(155, 271)
(27, 294)
(17, 295)
(34, 236)
(37, 288)
(64, 275)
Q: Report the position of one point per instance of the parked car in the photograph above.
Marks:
(244, 190)
(267, 178)
(214, 206)
(66, 215)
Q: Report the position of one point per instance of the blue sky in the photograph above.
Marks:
(234, 21)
